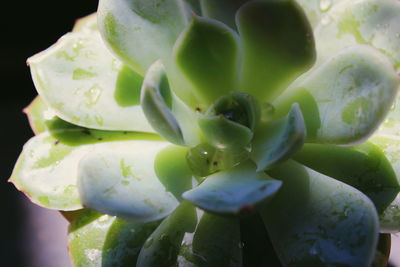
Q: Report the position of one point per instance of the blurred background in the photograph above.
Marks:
(29, 235)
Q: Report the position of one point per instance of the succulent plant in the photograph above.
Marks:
(221, 133)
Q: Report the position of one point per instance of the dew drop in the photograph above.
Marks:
(241, 245)
(324, 5)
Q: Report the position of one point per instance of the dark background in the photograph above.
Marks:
(27, 27)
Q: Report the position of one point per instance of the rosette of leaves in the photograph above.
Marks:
(221, 133)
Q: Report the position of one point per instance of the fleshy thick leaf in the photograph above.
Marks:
(38, 115)
(173, 171)
(101, 240)
(317, 221)
(207, 53)
(222, 10)
(84, 84)
(162, 246)
(390, 145)
(276, 141)
(142, 31)
(233, 191)
(223, 133)
(123, 182)
(156, 101)
(216, 242)
(350, 95)
(87, 24)
(316, 10)
(278, 46)
(47, 168)
(371, 22)
(364, 167)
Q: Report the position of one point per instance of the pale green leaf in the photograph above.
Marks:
(47, 168)
(371, 22)
(84, 84)
(142, 31)
(233, 191)
(351, 95)
(315, 220)
(364, 167)
(122, 182)
(276, 141)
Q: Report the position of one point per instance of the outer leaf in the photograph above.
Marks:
(123, 182)
(334, 223)
(316, 10)
(100, 240)
(142, 31)
(222, 10)
(353, 92)
(364, 167)
(207, 54)
(278, 46)
(390, 218)
(277, 141)
(38, 114)
(173, 171)
(47, 168)
(162, 247)
(233, 191)
(84, 84)
(371, 22)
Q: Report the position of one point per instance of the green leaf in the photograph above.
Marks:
(353, 92)
(278, 46)
(223, 133)
(205, 159)
(122, 182)
(80, 79)
(390, 218)
(317, 221)
(364, 167)
(156, 101)
(216, 242)
(162, 246)
(101, 240)
(276, 141)
(173, 171)
(142, 31)
(317, 10)
(233, 191)
(46, 170)
(207, 54)
(371, 22)
(222, 10)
